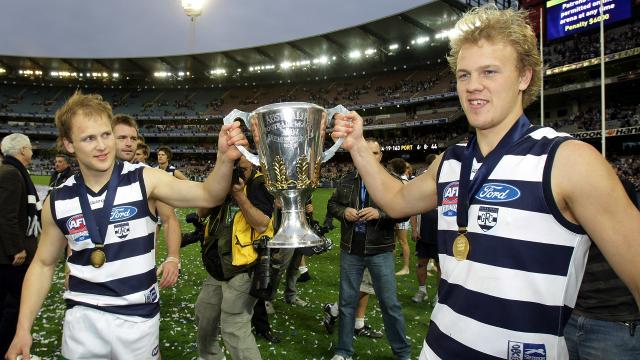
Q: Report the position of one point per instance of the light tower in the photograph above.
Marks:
(193, 8)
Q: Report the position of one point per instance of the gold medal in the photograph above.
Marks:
(98, 256)
(461, 247)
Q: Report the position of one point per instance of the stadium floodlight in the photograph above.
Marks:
(322, 60)
(218, 71)
(445, 34)
(193, 8)
(285, 65)
(3, 70)
(115, 75)
(369, 52)
(355, 54)
(161, 74)
(180, 73)
(420, 40)
(394, 46)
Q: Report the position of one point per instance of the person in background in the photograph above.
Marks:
(19, 229)
(164, 162)
(125, 130)
(366, 242)
(425, 235)
(62, 170)
(399, 168)
(142, 153)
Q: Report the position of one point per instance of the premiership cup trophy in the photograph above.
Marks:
(289, 139)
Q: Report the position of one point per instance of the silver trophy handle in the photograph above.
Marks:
(229, 119)
(328, 154)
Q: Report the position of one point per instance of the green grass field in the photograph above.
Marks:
(301, 330)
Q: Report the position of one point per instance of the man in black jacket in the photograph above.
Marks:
(20, 210)
(367, 241)
(62, 171)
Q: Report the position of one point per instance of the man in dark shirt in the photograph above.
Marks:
(366, 241)
(605, 319)
(17, 235)
(62, 171)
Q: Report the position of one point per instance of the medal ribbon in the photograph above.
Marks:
(468, 188)
(97, 233)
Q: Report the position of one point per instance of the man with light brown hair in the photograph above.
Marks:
(106, 214)
(125, 130)
(142, 153)
(518, 206)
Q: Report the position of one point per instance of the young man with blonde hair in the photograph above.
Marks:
(106, 214)
(518, 206)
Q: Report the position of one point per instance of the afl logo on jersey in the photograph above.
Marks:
(450, 200)
(77, 228)
(496, 192)
(122, 213)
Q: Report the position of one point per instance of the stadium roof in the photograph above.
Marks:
(149, 36)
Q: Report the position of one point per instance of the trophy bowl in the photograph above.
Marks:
(289, 139)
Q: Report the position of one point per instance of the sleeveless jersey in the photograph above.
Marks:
(170, 169)
(126, 284)
(512, 296)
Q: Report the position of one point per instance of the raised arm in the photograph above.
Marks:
(398, 200)
(589, 193)
(184, 193)
(37, 282)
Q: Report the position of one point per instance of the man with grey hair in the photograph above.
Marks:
(19, 227)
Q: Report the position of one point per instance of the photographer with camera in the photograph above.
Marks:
(225, 304)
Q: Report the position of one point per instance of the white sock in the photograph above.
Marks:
(303, 269)
(422, 288)
(334, 309)
(359, 323)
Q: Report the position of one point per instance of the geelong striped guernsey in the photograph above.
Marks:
(126, 284)
(514, 294)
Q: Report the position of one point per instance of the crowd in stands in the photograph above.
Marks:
(617, 116)
(580, 47)
(198, 166)
(628, 166)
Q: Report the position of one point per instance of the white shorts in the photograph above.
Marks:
(403, 225)
(366, 286)
(94, 334)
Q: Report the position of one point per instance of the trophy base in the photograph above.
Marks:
(297, 239)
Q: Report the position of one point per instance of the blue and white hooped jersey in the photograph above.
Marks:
(512, 296)
(170, 169)
(126, 284)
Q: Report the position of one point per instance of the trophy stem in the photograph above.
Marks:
(294, 230)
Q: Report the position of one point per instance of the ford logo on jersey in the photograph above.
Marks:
(122, 212)
(496, 192)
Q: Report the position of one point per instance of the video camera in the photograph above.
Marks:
(327, 245)
(197, 235)
(238, 173)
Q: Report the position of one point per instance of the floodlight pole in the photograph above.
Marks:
(603, 141)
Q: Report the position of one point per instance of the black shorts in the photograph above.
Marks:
(426, 250)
